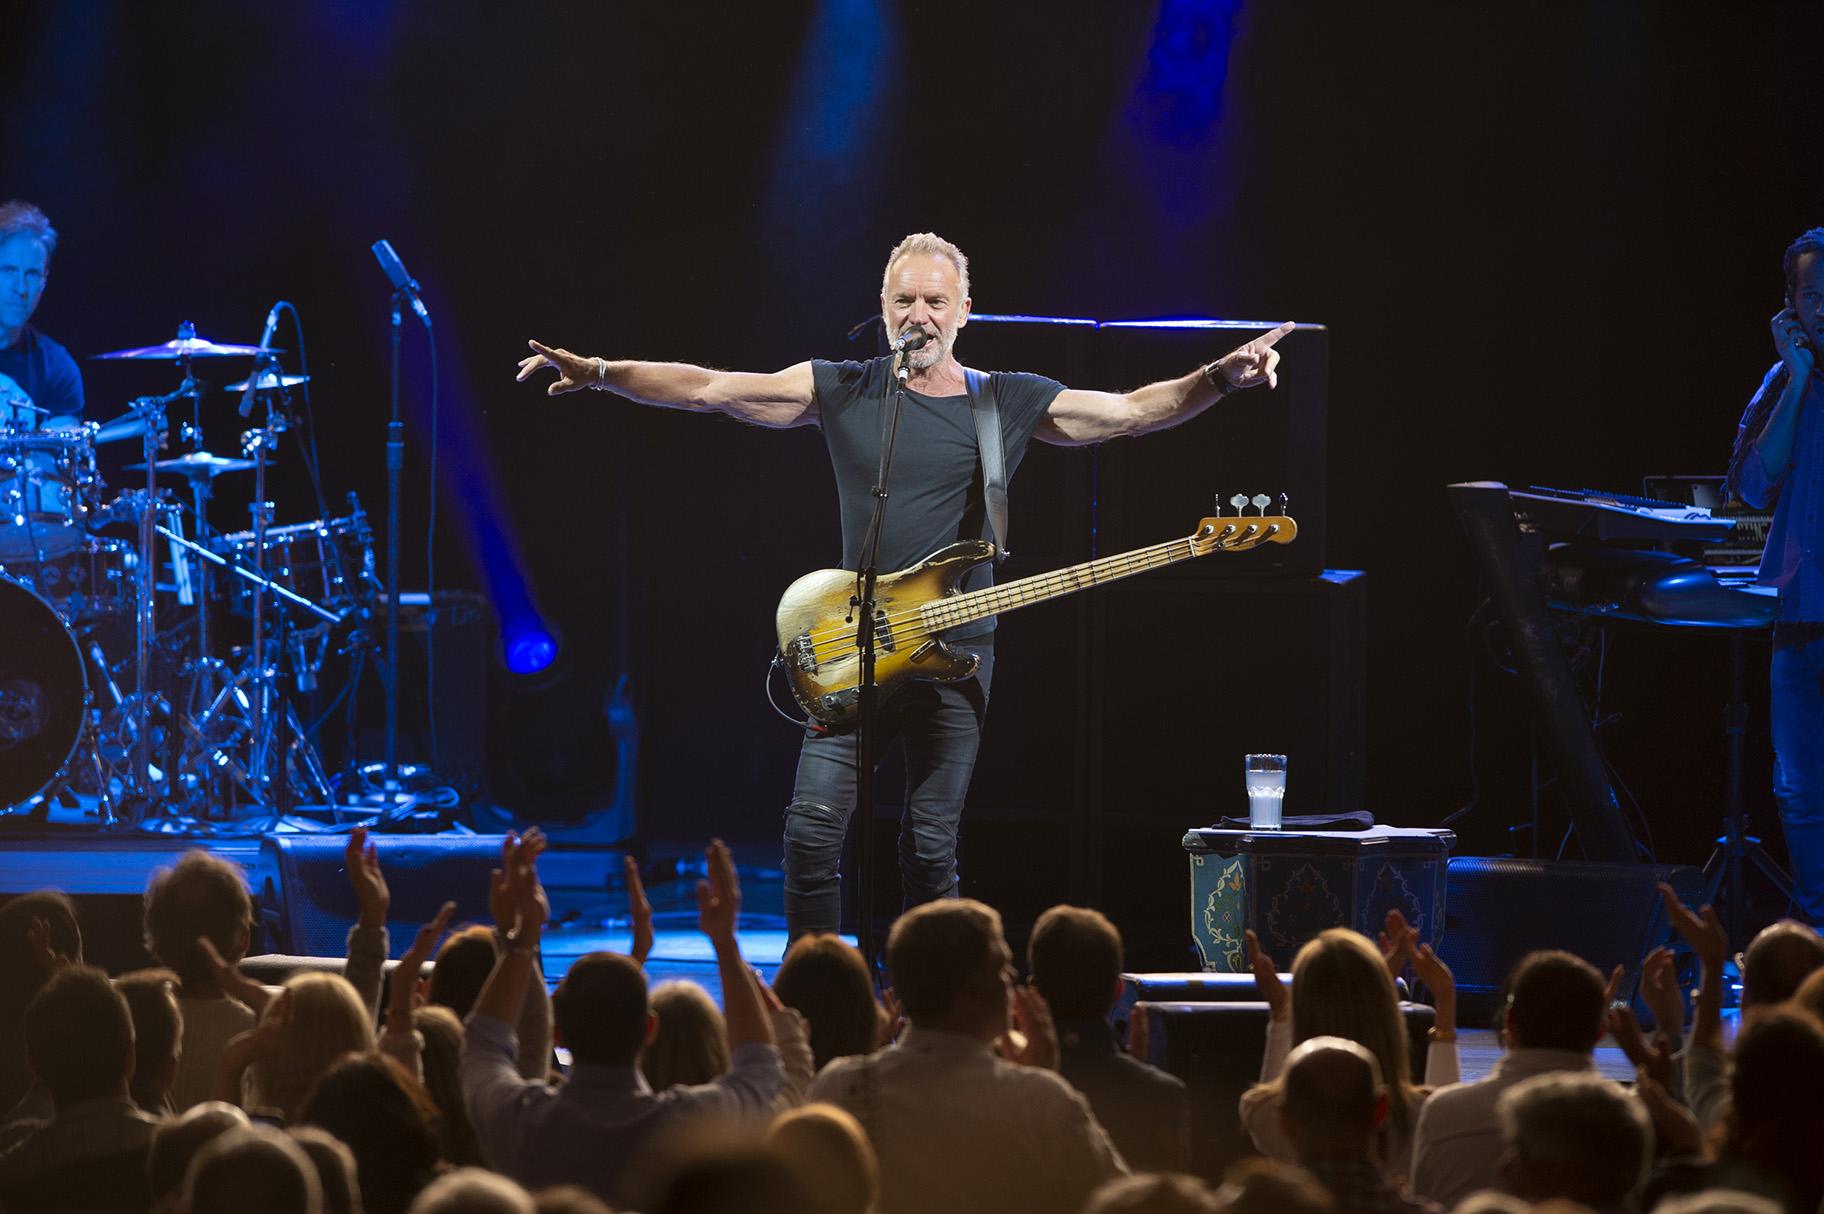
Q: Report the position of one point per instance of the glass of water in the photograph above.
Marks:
(1266, 775)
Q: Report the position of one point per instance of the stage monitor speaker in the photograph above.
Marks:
(305, 904)
(1497, 910)
(458, 657)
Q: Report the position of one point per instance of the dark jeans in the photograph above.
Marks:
(1797, 681)
(940, 725)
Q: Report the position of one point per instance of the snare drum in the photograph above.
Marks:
(44, 693)
(92, 580)
(47, 488)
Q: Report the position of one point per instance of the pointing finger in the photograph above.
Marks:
(1266, 340)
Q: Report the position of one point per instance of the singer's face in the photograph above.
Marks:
(924, 292)
(24, 266)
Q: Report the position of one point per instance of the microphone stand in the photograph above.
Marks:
(390, 788)
(868, 703)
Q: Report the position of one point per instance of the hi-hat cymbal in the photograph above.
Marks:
(266, 381)
(197, 464)
(189, 347)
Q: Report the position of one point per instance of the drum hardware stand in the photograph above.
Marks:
(139, 784)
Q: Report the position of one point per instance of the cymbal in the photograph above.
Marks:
(265, 381)
(189, 347)
(197, 464)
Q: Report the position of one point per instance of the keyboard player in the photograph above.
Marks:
(1778, 462)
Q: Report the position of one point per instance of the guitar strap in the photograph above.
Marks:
(988, 443)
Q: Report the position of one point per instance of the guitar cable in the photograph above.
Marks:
(767, 686)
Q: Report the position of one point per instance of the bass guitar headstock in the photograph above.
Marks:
(1241, 530)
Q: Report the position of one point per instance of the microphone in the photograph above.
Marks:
(911, 339)
(260, 360)
(402, 282)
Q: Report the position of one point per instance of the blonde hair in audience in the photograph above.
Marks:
(1341, 988)
(690, 1045)
(327, 1021)
(829, 1152)
(442, 1061)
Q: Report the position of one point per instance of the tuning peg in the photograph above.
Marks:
(1261, 502)
(1219, 505)
(1284, 503)
(1239, 501)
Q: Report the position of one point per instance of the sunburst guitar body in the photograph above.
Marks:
(816, 622)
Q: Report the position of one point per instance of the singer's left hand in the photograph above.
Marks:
(574, 372)
(1256, 362)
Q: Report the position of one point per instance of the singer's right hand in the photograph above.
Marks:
(574, 372)
(1794, 346)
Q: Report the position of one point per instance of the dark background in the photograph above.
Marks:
(1544, 238)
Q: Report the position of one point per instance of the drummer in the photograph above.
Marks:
(32, 366)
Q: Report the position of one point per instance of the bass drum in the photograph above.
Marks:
(44, 693)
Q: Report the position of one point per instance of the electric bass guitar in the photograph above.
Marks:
(816, 620)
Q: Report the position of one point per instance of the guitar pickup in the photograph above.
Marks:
(883, 633)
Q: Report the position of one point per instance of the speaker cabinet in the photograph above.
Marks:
(1499, 910)
(305, 906)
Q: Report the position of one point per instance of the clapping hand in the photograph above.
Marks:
(719, 896)
(574, 372)
(503, 896)
(1701, 930)
(38, 939)
(1037, 1041)
(1659, 990)
(1254, 363)
(233, 983)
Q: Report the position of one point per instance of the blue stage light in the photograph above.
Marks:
(530, 650)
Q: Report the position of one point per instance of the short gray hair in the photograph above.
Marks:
(1583, 1126)
(928, 244)
(21, 218)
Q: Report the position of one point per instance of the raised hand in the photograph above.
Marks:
(892, 1019)
(1396, 940)
(639, 910)
(1266, 978)
(1659, 989)
(254, 1043)
(719, 896)
(574, 372)
(1039, 1036)
(1256, 362)
(532, 909)
(361, 858)
(1139, 1031)
(1789, 338)
(500, 887)
(233, 983)
(1701, 930)
(38, 939)
(406, 974)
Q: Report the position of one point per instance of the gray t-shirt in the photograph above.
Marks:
(935, 487)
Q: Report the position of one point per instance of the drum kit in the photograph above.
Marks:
(121, 690)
